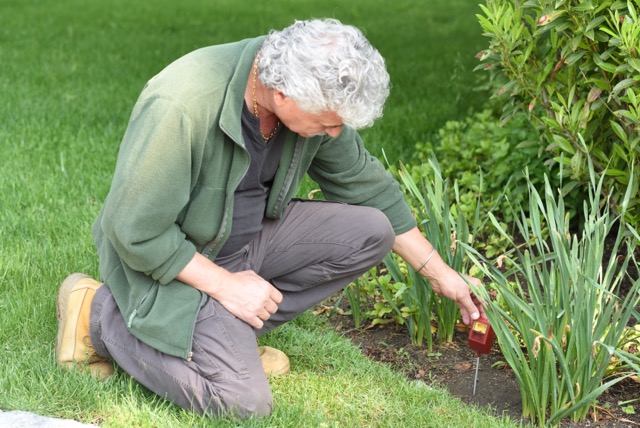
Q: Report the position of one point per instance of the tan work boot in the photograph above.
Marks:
(73, 344)
(274, 361)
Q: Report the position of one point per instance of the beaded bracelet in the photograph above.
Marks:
(427, 261)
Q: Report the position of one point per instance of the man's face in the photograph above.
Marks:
(303, 123)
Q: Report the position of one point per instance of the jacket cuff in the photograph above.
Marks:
(168, 271)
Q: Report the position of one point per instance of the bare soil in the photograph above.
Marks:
(452, 366)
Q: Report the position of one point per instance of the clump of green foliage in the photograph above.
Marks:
(401, 294)
(394, 294)
(565, 317)
(574, 69)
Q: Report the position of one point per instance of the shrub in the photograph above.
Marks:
(574, 67)
(480, 148)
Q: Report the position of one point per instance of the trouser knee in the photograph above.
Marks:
(253, 401)
(381, 234)
(256, 403)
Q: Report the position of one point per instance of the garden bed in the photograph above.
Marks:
(452, 366)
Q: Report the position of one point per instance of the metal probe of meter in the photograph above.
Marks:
(481, 338)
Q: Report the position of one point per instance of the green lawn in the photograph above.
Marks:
(70, 71)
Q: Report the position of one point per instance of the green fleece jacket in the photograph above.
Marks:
(179, 163)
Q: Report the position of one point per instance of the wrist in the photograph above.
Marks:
(427, 260)
(204, 275)
(437, 270)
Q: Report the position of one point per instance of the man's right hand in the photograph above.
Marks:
(244, 294)
(248, 296)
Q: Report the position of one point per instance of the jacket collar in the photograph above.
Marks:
(234, 97)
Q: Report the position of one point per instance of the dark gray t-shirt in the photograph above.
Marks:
(252, 193)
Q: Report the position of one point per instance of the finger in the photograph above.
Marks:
(465, 317)
(468, 309)
(276, 295)
(479, 301)
(264, 314)
(474, 284)
(271, 307)
(255, 322)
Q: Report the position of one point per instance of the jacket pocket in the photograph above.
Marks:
(145, 302)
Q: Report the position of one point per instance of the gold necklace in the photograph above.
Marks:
(266, 138)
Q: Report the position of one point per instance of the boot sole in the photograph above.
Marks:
(61, 308)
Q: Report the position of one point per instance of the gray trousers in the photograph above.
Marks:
(315, 250)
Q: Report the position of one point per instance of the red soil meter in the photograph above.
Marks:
(481, 336)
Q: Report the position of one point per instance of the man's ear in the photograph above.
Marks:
(279, 98)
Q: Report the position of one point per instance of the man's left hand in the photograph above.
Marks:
(456, 287)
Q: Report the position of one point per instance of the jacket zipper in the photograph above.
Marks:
(135, 311)
(203, 298)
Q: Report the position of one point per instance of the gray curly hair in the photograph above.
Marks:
(324, 65)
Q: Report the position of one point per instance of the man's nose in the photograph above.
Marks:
(334, 131)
